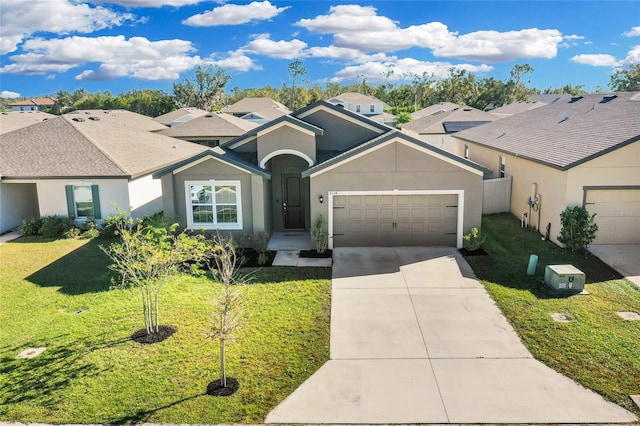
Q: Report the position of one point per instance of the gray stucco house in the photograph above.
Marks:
(374, 185)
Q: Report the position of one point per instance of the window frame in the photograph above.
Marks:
(372, 108)
(502, 167)
(234, 226)
(358, 108)
(72, 205)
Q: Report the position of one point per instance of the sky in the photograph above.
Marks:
(47, 46)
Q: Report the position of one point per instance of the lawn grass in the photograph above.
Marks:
(92, 372)
(598, 349)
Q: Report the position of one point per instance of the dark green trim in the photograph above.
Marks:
(95, 195)
(71, 209)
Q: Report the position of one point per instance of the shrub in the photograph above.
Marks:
(473, 240)
(54, 226)
(72, 233)
(31, 226)
(258, 242)
(111, 224)
(578, 228)
(320, 236)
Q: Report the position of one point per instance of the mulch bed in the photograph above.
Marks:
(215, 388)
(250, 258)
(479, 252)
(141, 336)
(315, 255)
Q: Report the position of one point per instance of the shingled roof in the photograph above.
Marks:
(13, 120)
(265, 107)
(66, 148)
(211, 125)
(120, 117)
(434, 124)
(565, 133)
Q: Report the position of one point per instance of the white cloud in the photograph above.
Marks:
(6, 94)
(237, 61)
(348, 18)
(633, 32)
(20, 19)
(345, 54)
(118, 57)
(375, 72)
(282, 49)
(235, 14)
(596, 60)
(149, 3)
(633, 56)
(361, 28)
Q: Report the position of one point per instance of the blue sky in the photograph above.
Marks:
(119, 45)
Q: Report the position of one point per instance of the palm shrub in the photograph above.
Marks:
(320, 236)
(578, 228)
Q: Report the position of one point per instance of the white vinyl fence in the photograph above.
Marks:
(497, 195)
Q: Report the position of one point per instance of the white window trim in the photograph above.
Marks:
(225, 226)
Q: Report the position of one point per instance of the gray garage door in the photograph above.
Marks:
(394, 220)
(617, 215)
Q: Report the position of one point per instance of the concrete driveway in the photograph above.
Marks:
(415, 338)
(624, 258)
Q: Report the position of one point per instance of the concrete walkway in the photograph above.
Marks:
(415, 338)
(9, 236)
(624, 258)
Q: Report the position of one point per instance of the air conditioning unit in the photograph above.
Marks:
(564, 279)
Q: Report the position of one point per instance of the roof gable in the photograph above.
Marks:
(285, 120)
(565, 133)
(218, 153)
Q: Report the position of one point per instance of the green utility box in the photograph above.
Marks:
(564, 279)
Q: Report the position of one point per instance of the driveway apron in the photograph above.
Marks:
(415, 338)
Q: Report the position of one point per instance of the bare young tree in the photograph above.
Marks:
(227, 314)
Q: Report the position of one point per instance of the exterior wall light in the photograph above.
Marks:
(321, 199)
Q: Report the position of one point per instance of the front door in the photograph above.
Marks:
(292, 201)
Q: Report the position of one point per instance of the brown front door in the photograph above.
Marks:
(292, 205)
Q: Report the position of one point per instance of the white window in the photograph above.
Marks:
(503, 165)
(83, 201)
(466, 151)
(357, 108)
(372, 108)
(214, 204)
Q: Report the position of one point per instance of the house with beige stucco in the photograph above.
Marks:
(85, 165)
(374, 185)
(578, 151)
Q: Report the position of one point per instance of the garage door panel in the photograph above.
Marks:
(617, 215)
(411, 219)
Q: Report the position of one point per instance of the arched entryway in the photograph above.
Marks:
(289, 192)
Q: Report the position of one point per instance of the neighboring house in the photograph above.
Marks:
(515, 108)
(435, 109)
(10, 121)
(369, 106)
(582, 151)
(437, 129)
(37, 104)
(118, 117)
(73, 165)
(257, 110)
(372, 184)
(211, 129)
(179, 116)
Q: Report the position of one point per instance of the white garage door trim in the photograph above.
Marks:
(620, 223)
(458, 192)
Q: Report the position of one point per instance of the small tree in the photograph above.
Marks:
(578, 228)
(473, 240)
(320, 236)
(145, 257)
(226, 317)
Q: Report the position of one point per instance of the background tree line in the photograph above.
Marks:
(404, 93)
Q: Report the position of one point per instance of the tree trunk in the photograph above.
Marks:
(223, 374)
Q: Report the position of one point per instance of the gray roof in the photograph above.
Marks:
(515, 108)
(10, 121)
(265, 107)
(565, 133)
(355, 98)
(434, 109)
(179, 115)
(285, 118)
(211, 125)
(119, 117)
(434, 124)
(65, 148)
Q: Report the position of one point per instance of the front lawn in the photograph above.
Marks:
(597, 348)
(55, 294)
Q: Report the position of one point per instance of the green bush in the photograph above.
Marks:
(31, 226)
(473, 240)
(72, 233)
(110, 224)
(578, 228)
(55, 226)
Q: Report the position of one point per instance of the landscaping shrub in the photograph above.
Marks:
(72, 233)
(578, 228)
(54, 226)
(473, 240)
(111, 223)
(31, 226)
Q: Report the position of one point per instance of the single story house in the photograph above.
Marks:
(580, 151)
(437, 129)
(372, 184)
(10, 121)
(37, 104)
(81, 167)
(369, 106)
(257, 110)
(179, 116)
(211, 129)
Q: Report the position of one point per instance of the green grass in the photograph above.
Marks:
(598, 348)
(92, 372)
